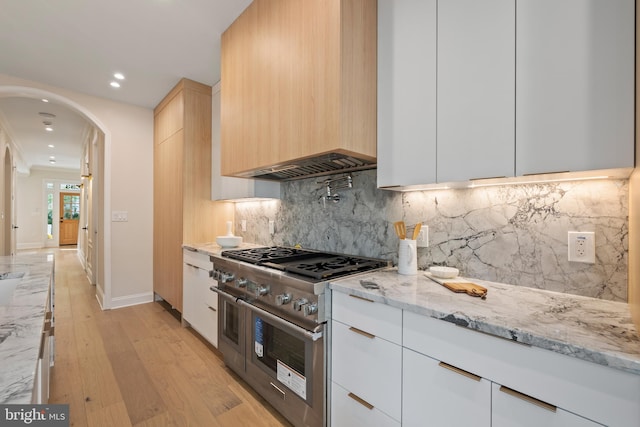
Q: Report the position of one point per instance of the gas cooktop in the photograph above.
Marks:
(307, 263)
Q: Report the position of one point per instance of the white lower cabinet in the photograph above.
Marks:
(437, 394)
(366, 362)
(200, 303)
(347, 409)
(509, 408)
(397, 367)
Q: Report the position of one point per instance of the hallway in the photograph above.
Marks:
(137, 366)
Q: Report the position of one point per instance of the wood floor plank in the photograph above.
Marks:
(109, 416)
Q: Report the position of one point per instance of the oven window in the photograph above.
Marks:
(231, 328)
(273, 345)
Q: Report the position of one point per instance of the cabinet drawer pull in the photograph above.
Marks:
(361, 401)
(460, 371)
(361, 298)
(43, 337)
(543, 173)
(527, 398)
(361, 332)
(282, 394)
(211, 308)
(48, 315)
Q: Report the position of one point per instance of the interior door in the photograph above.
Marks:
(69, 218)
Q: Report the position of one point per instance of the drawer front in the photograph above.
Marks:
(197, 259)
(442, 394)
(602, 394)
(368, 366)
(508, 410)
(348, 409)
(375, 318)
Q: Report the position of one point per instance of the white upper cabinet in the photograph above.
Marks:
(574, 82)
(406, 92)
(476, 89)
(481, 89)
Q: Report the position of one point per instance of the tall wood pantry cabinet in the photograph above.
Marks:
(182, 208)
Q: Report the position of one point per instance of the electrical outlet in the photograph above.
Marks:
(582, 247)
(243, 225)
(272, 227)
(423, 237)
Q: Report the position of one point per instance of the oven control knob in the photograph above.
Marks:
(310, 309)
(241, 283)
(226, 277)
(299, 303)
(283, 299)
(262, 290)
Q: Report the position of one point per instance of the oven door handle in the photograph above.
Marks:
(313, 336)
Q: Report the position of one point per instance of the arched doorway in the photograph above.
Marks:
(100, 190)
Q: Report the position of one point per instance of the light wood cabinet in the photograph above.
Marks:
(183, 210)
(575, 79)
(298, 80)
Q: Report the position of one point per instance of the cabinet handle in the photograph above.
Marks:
(361, 332)
(543, 173)
(361, 298)
(43, 336)
(282, 393)
(488, 177)
(211, 308)
(460, 371)
(361, 401)
(48, 315)
(527, 398)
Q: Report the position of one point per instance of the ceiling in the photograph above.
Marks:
(79, 45)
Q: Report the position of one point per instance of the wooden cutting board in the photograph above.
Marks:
(467, 287)
(460, 285)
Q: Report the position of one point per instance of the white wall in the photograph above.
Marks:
(31, 214)
(129, 183)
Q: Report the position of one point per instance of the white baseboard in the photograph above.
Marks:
(32, 245)
(128, 300)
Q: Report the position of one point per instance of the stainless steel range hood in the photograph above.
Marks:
(325, 164)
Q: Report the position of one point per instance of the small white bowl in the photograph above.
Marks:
(229, 241)
(443, 272)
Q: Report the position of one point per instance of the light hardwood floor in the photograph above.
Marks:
(137, 366)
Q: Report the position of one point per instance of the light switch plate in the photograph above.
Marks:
(119, 216)
(423, 237)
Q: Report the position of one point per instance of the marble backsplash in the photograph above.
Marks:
(514, 234)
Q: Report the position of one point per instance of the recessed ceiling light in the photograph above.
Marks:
(51, 146)
(53, 162)
(114, 84)
(45, 100)
(49, 129)
(52, 157)
(119, 76)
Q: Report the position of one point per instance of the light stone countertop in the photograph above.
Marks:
(21, 325)
(214, 249)
(591, 329)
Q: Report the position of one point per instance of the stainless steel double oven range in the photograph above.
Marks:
(271, 315)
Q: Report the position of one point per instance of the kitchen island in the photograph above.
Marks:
(572, 360)
(22, 324)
